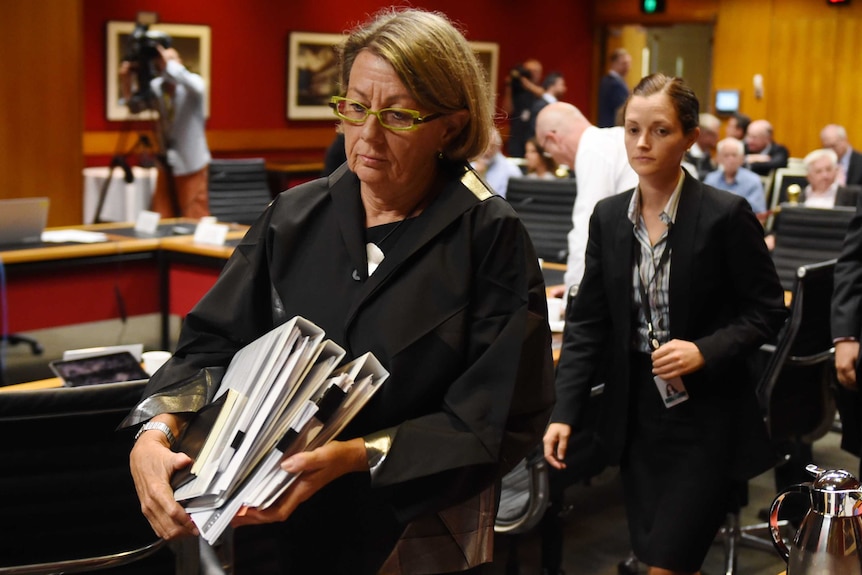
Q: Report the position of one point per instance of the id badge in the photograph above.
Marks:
(672, 392)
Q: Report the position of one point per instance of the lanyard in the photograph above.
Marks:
(651, 336)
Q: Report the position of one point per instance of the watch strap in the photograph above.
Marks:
(163, 427)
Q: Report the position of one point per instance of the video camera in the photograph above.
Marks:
(142, 52)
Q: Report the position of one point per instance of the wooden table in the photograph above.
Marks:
(54, 285)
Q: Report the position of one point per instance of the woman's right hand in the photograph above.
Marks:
(556, 441)
(152, 463)
(846, 354)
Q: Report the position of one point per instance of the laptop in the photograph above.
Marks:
(22, 220)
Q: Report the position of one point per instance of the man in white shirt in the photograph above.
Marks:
(601, 170)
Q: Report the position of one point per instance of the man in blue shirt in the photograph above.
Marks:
(732, 177)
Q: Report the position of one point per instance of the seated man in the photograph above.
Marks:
(737, 126)
(701, 152)
(494, 166)
(732, 177)
(763, 154)
(834, 137)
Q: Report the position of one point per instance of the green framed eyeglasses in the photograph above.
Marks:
(395, 119)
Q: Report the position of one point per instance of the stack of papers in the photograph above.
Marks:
(281, 394)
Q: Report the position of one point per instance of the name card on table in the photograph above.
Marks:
(148, 222)
(209, 231)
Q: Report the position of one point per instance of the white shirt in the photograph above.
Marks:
(824, 199)
(601, 170)
(185, 127)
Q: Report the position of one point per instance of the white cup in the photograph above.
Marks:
(153, 360)
(555, 308)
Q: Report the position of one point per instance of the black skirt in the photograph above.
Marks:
(677, 489)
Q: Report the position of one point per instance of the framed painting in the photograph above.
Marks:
(312, 75)
(489, 55)
(312, 72)
(193, 42)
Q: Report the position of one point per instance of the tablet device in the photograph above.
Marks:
(109, 368)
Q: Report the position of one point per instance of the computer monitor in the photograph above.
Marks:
(726, 101)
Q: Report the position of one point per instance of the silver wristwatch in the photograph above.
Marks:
(163, 427)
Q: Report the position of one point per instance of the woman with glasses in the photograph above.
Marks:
(678, 291)
(404, 252)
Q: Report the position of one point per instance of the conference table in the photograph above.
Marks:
(127, 274)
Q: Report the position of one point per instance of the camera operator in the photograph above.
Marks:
(523, 88)
(178, 96)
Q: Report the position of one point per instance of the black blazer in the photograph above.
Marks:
(778, 157)
(847, 196)
(846, 318)
(725, 297)
(854, 170)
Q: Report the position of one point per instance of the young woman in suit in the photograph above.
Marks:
(679, 288)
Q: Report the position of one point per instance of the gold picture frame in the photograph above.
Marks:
(312, 72)
(312, 75)
(192, 41)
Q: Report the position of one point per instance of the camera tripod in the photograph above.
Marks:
(142, 146)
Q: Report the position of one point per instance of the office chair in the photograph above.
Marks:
(523, 495)
(805, 236)
(795, 389)
(784, 178)
(545, 207)
(238, 189)
(69, 503)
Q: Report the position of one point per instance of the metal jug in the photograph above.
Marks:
(830, 536)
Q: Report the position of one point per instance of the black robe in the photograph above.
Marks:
(456, 312)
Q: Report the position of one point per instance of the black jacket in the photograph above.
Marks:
(724, 296)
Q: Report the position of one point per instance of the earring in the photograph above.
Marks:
(440, 155)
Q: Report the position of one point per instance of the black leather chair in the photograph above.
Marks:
(783, 179)
(238, 189)
(805, 236)
(795, 389)
(545, 207)
(69, 504)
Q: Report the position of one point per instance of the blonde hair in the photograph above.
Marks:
(435, 63)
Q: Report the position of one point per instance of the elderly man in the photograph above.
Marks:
(601, 169)
(763, 154)
(613, 90)
(732, 177)
(834, 137)
(701, 152)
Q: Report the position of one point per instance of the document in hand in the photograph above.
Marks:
(280, 395)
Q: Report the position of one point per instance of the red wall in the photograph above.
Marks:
(249, 44)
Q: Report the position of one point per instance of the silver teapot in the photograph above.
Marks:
(829, 539)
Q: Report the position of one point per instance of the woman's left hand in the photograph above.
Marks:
(318, 468)
(675, 359)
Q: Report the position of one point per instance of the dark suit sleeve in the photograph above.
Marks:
(588, 324)
(753, 281)
(778, 157)
(854, 170)
(847, 293)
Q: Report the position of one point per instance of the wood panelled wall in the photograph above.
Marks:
(806, 51)
(41, 102)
